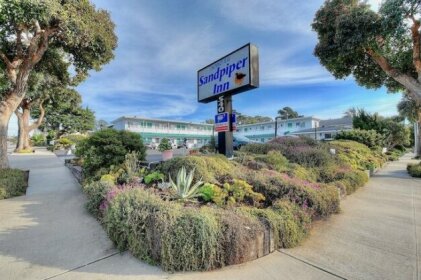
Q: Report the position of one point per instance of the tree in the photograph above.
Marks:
(244, 119)
(377, 49)
(393, 131)
(45, 82)
(29, 28)
(409, 109)
(351, 112)
(101, 124)
(288, 113)
(64, 113)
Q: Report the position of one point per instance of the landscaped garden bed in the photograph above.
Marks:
(13, 182)
(203, 212)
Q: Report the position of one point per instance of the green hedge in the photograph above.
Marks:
(13, 182)
(192, 238)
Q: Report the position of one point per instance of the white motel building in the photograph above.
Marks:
(199, 134)
(153, 130)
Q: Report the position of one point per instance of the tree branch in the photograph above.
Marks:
(6, 60)
(38, 122)
(19, 42)
(416, 48)
(407, 81)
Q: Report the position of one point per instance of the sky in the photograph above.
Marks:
(162, 44)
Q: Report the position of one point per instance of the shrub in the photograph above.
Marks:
(354, 180)
(183, 238)
(288, 222)
(13, 182)
(154, 177)
(370, 138)
(321, 199)
(210, 192)
(240, 191)
(302, 150)
(96, 192)
(38, 139)
(356, 155)
(65, 142)
(210, 168)
(414, 170)
(275, 160)
(165, 145)
(76, 138)
(108, 147)
(162, 232)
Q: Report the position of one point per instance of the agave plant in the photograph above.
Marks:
(183, 188)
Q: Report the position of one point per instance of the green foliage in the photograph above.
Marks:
(288, 222)
(211, 168)
(13, 182)
(96, 192)
(165, 145)
(238, 192)
(352, 38)
(65, 142)
(183, 189)
(76, 138)
(106, 148)
(154, 177)
(354, 180)
(321, 199)
(183, 238)
(210, 192)
(356, 155)
(275, 160)
(303, 151)
(414, 170)
(370, 138)
(38, 139)
(162, 232)
(288, 113)
(244, 119)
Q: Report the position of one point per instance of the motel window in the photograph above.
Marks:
(289, 125)
(303, 124)
(297, 124)
(245, 129)
(269, 126)
(262, 128)
(262, 139)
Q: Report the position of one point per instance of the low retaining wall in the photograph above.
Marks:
(75, 169)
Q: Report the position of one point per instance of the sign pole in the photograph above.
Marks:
(225, 138)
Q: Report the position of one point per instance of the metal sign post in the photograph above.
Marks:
(225, 129)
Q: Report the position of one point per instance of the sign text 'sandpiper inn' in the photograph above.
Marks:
(232, 74)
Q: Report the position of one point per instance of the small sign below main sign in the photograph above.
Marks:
(222, 122)
(232, 74)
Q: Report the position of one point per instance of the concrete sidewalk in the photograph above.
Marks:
(48, 234)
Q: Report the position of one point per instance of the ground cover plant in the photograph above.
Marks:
(414, 170)
(202, 212)
(13, 182)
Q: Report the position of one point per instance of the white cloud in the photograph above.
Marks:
(271, 15)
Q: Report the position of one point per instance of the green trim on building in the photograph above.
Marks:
(147, 136)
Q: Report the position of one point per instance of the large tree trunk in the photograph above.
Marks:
(7, 107)
(418, 136)
(25, 128)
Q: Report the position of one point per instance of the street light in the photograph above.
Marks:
(276, 125)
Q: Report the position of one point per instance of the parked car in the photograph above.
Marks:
(152, 145)
(238, 141)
